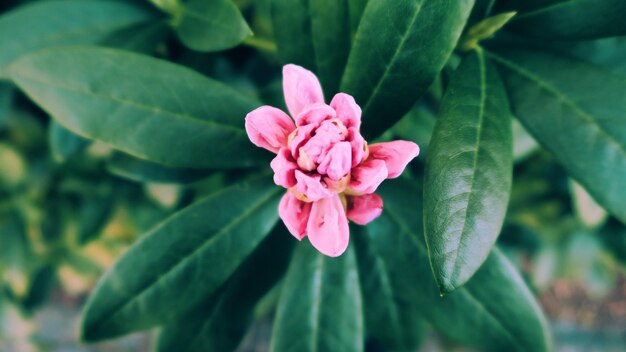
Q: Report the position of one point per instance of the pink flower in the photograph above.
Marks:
(327, 167)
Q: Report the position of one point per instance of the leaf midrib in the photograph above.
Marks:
(129, 103)
(565, 100)
(479, 128)
(546, 9)
(413, 237)
(394, 57)
(223, 231)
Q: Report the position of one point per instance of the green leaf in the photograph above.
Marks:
(142, 38)
(93, 215)
(182, 261)
(63, 143)
(572, 19)
(148, 108)
(126, 166)
(400, 47)
(468, 172)
(47, 24)
(211, 25)
(494, 311)
(6, 101)
(320, 304)
(356, 9)
(551, 94)
(391, 317)
(220, 322)
(314, 34)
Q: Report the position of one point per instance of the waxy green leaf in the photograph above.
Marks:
(126, 166)
(563, 103)
(220, 322)
(148, 108)
(391, 317)
(182, 261)
(495, 311)
(571, 19)
(210, 25)
(468, 172)
(47, 24)
(320, 305)
(400, 47)
(314, 34)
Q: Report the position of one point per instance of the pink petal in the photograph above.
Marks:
(295, 214)
(363, 209)
(337, 162)
(357, 142)
(315, 114)
(396, 155)
(311, 186)
(327, 228)
(302, 135)
(348, 111)
(301, 88)
(367, 177)
(284, 169)
(316, 148)
(268, 128)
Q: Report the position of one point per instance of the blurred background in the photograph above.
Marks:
(69, 207)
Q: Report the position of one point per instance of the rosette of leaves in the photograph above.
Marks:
(168, 90)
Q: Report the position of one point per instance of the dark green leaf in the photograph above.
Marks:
(314, 34)
(182, 261)
(142, 37)
(211, 25)
(576, 110)
(320, 304)
(494, 311)
(126, 166)
(46, 24)
(572, 19)
(65, 144)
(220, 322)
(468, 172)
(391, 317)
(400, 47)
(6, 100)
(356, 8)
(417, 125)
(146, 107)
(93, 214)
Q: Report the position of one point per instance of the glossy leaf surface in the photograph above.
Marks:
(65, 144)
(135, 103)
(468, 172)
(220, 322)
(211, 25)
(563, 104)
(399, 48)
(494, 311)
(189, 256)
(391, 317)
(46, 24)
(314, 34)
(320, 305)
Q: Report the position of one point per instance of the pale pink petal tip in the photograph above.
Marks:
(348, 111)
(328, 227)
(269, 128)
(295, 214)
(396, 155)
(363, 209)
(301, 88)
